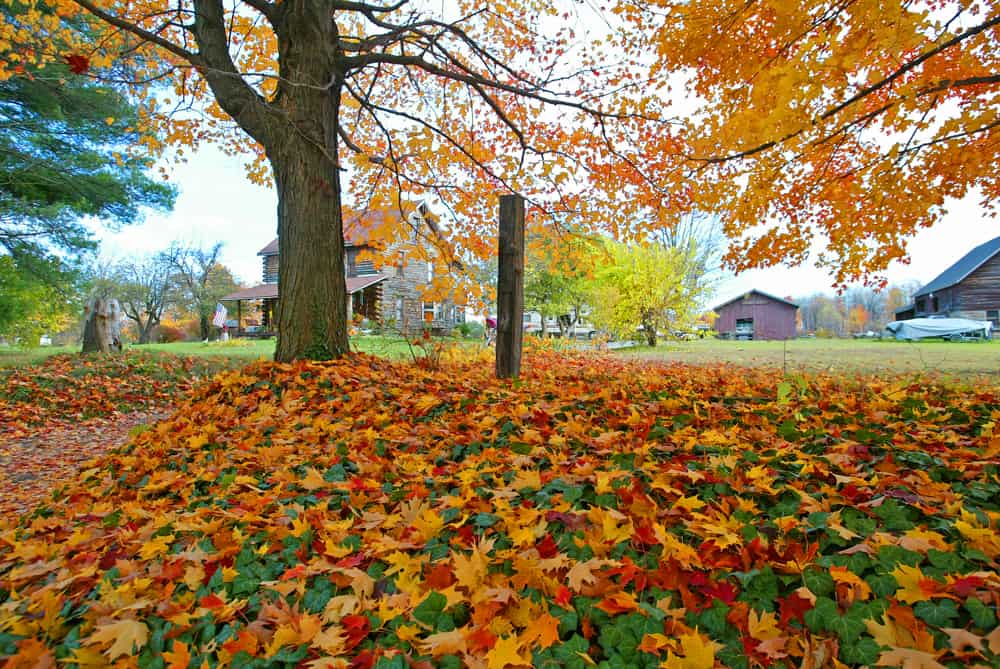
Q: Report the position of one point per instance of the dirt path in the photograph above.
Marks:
(34, 465)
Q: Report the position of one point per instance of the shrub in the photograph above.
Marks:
(168, 334)
(470, 330)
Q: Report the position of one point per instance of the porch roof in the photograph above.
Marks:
(270, 290)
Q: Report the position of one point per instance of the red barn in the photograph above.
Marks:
(756, 315)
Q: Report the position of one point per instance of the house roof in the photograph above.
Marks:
(968, 264)
(759, 292)
(358, 227)
(270, 290)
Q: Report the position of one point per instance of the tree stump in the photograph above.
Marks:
(102, 325)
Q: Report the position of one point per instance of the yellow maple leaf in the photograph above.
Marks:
(313, 480)
(505, 653)
(698, 653)
(763, 626)
(909, 579)
(125, 636)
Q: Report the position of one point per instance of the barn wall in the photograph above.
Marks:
(771, 319)
(981, 289)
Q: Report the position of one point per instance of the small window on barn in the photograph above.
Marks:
(993, 315)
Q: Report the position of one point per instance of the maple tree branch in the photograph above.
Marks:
(146, 35)
(271, 11)
(868, 90)
(233, 93)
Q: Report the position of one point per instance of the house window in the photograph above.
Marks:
(430, 271)
(993, 315)
(430, 310)
(365, 267)
(399, 311)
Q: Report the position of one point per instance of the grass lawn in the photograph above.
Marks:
(394, 347)
(964, 360)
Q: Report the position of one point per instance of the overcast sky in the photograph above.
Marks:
(216, 203)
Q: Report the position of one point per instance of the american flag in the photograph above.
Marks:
(220, 316)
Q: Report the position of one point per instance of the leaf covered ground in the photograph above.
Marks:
(367, 513)
(69, 389)
(58, 414)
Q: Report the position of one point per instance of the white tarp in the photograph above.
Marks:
(919, 328)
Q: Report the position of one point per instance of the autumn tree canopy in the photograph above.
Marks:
(849, 121)
(378, 105)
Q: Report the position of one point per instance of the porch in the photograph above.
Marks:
(256, 307)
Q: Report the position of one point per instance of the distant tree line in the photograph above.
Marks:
(856, 310)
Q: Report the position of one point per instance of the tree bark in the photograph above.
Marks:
(146, 330)
(102, 326)
(203, 327)
(312, 313)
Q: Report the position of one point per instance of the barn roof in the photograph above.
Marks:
(759, 292)
(358, 227)
(968, 264)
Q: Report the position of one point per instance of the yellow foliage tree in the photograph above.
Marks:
(647, 288)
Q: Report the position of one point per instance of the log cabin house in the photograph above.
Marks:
(386, 283)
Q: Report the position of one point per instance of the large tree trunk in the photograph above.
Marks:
(102, 326)
(312, 304)
(146, 330)
(299, 132)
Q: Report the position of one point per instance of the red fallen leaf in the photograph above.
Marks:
(563, 597)
(439, 577)
(725, 592)
(644, 534)
(793, 606)
(587, 629)
(245, 641)
(363, 660)
(572, 521)
(172, 571)
(351, 561)
(547, 547)
(357, 628)
(77, 64)
(211, 601)
(852, 493)
(481, 640)
(466, 534)
(967, 585)
(298, 571)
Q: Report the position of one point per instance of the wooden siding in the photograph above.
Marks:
(270, 273)
(771, 319)
(355, 267)
(980, 291)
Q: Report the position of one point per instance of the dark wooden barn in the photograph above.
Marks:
(756, 315)
(968, 289)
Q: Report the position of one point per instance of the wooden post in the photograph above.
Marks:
(510, 287)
